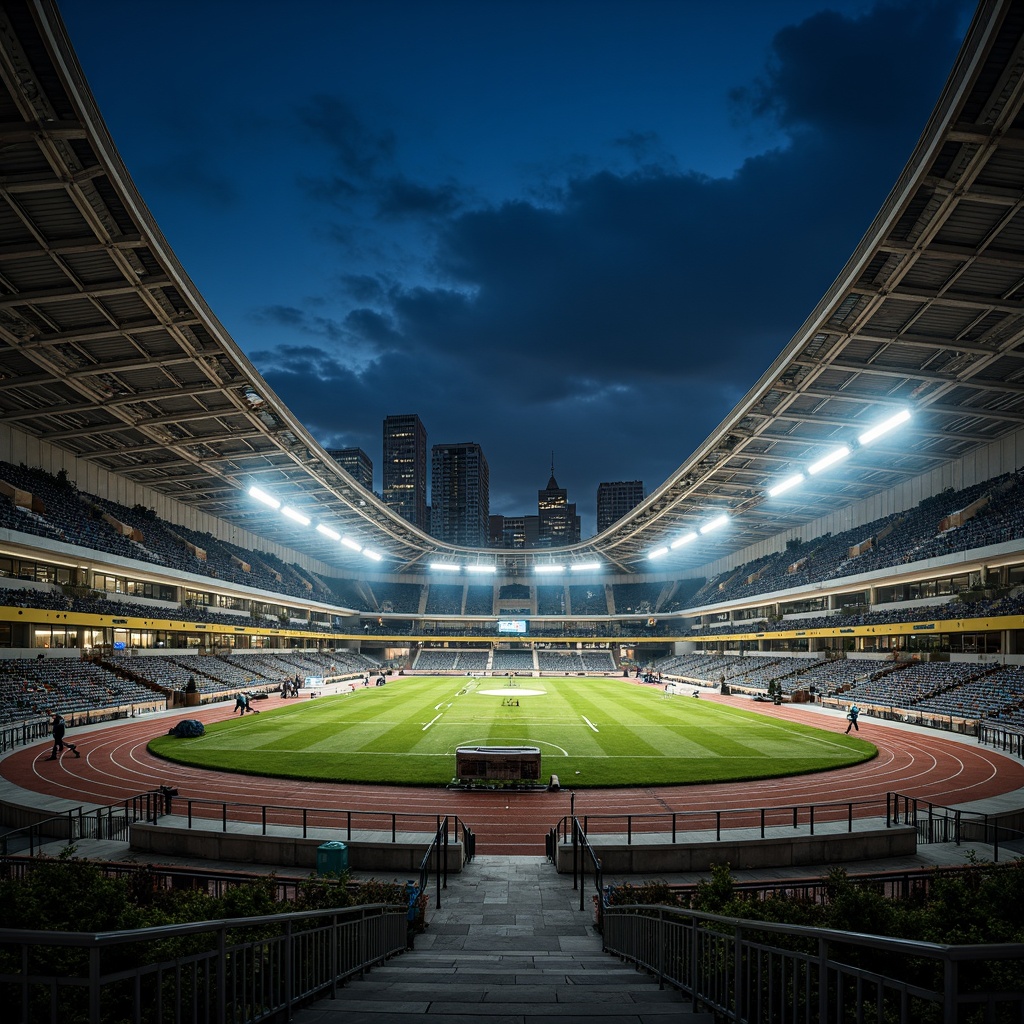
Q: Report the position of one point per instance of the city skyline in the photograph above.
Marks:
(571, 237)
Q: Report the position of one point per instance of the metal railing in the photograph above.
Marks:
(438, 848)
(756, 972)
(1007, 741)
(677, 826)
(937, 824)
(200, 812)
(243, 970)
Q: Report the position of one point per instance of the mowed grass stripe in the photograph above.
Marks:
(376, 735)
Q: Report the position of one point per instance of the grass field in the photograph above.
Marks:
(591, 732)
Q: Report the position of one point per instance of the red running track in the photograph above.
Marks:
(115, 766)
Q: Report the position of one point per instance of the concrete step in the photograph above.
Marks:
(496, 988)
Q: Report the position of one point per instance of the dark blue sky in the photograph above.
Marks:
(571, 225)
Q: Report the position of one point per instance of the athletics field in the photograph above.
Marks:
(591, 732)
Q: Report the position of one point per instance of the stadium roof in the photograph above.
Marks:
(108, 352)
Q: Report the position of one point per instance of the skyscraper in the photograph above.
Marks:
(614, 500)
(405, 468)
(559, 523)
(460, 494)
(356, 463)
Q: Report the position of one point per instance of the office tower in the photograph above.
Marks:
(614, 500)
(459, 494)
(514, 531)
(559, 524)
(404, 486)
(356, 463)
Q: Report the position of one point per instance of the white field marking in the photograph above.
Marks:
(430, 723)
(437, 707)
(590, 723)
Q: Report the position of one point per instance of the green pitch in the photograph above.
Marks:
(591, 732)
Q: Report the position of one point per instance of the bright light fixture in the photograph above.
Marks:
(684, 539)
(833, 457)
(327, 531)
(884, 427)
(267, 499)
(297, 516)
(375, 555)
(785, 485)
(658, 552)
(585, 566)
(445, 566)
(350, 543)
(481, 568)
(549, 567)
(715, 523)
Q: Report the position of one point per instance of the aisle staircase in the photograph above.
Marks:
(508, 946)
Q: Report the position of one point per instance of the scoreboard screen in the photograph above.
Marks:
(515, 626)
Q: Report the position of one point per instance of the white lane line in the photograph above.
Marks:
(430, 723)
(590, 723)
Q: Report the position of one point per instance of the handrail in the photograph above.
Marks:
(938, 824)
(731, 967)
(580, 844)
(248, 969)
(438, 845)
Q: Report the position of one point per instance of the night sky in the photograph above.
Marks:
(575, 226)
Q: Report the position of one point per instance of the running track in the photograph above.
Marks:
(115, 766)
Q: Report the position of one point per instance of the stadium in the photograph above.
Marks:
(171, 536)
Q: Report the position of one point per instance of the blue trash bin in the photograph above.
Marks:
(331, 858)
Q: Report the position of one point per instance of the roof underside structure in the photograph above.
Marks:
(108, 352)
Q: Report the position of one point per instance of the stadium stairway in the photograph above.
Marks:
(509, 945)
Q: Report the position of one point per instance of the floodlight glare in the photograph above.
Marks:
(292, 514)
(350, 543)
(255, 492)
(884, 427)
(445, 566)
(549, 568)
(481, 568)
(375, 555)
(685, 539)
(828, 460)
(327, 531)
(658, 552)
(785, 485)
(585, 566)
(715, 523)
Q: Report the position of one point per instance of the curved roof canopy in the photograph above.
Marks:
(108, 352)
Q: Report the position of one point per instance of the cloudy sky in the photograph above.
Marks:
(579, 226)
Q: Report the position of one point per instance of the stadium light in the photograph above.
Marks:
(715, 523)
(585, 567)
(549, 568)
(298, 517)
(350, 543)
(481, 568)
(375, 555)
(684, 539)
(831, 459)
(445, 566)
(327, 531)
(658, 552)
(884, 427)
(267, 499)
(785, 485)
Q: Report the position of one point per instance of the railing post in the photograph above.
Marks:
(287, 967)
(762, 823)
(94, 985)
(190, 812)
(575, 852)
(849, 815)
(263, 816)
(224, 816)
